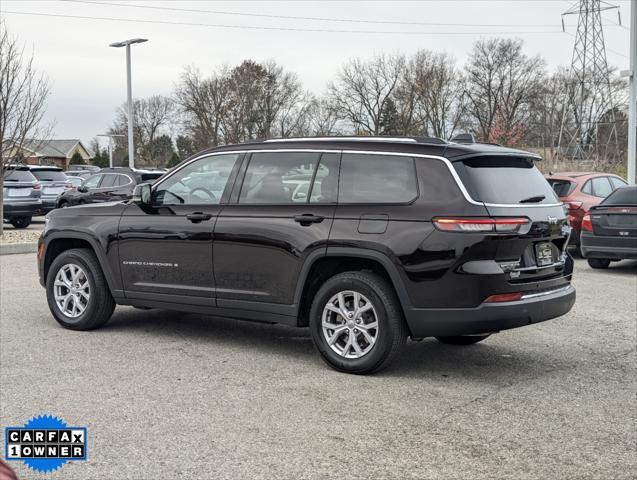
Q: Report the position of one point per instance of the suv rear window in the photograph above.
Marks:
(377, 179)
(18, 176)
(504, 180)
(49, 175)
(562, 188)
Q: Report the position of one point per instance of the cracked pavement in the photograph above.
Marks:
(173, 395)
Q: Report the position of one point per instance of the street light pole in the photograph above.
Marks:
(632, 106)
(129, 96)
(110, 145)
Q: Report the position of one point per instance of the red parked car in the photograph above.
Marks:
(580, 191)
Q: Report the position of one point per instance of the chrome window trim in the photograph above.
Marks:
(446, 161)
(346, 139)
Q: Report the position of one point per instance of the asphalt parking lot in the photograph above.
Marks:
(170, 395)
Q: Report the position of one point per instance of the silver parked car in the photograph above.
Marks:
(54, 183)
(21, 196)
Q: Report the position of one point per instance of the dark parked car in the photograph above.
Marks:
(21, 196)
(580, 191)
(609, 230)
(110, 184)
(395, 238)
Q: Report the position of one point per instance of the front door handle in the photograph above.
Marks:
(307, 219)
(198, 217)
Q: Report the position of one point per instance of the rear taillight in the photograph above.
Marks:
(504, 297)
(68, 186)
(37, 186)
(586, 223)
(483, 225)
(574, 205)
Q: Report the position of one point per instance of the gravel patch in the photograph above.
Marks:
(19, 236)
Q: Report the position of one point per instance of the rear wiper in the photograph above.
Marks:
(535, 199)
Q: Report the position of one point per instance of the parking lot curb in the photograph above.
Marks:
(14, 248)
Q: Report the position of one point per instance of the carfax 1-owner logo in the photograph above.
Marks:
(45, 443)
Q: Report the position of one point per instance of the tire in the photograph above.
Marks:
(463, 339)
(99, 305)
(599, 262)
(387, 338)
(20, 222)
(63, 205)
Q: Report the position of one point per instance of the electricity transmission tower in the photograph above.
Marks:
(588, 130)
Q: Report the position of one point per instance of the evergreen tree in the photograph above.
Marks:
(389, 122)
(174, 160)
(77, 159)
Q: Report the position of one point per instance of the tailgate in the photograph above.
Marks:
(614, 221)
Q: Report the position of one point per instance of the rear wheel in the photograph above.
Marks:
(63, 204)
(599, 262)
(356, 323)
(20, 222)
(463, 339)
(77, 292)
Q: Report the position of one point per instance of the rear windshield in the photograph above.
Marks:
(622, 196)
(49, 175)
(505, 180)
(562, 188)
(18, 176)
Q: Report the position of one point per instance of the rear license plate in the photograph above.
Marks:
(53, 190)
(19, 192)
(543, 254)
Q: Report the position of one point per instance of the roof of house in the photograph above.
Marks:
(53, 147)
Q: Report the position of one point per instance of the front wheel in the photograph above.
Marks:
(599, 262)
(356, 323)
(463, 339)
(77, 292)
(20, 222)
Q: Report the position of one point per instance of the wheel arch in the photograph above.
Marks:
(55, 245)
(319, 268)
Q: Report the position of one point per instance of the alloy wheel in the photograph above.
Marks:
(72, 290)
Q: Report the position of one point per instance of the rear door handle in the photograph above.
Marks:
(198, 217)
(307, 219)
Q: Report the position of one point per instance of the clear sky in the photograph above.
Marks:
(89, 78)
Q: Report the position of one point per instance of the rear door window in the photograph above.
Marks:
(601, 187)
(505, 180)
(377, 179)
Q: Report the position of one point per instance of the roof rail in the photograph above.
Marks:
(344, 139)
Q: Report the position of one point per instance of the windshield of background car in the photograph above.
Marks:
(622, 196)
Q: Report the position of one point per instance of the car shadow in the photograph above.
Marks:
(623, 267)
(488, 361)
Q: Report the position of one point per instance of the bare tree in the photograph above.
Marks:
(438, 90)
(152, 116)
(501, 83)
(362, 89)
(203, 103)
(23, 99)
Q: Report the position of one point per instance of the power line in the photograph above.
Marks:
(287, 29)
(292, 17)
(322, 19)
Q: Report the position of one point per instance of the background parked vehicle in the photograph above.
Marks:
(84, 168)
(609, 230)
(580, 191)
(83, 174)
(54, 182)
(75, 181)
(110, 184)
(21, 196)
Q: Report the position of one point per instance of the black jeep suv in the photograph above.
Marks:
(365, 240)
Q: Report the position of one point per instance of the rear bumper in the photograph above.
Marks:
(20, 209)
(491, 317)
(610, 247)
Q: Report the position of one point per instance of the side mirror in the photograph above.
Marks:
(142, 194)
(82, 189)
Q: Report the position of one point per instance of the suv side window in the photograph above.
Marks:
(201, 182)
(109, 180)
(377, 179)
(601, 187)
(278, 177)
(92, 182)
